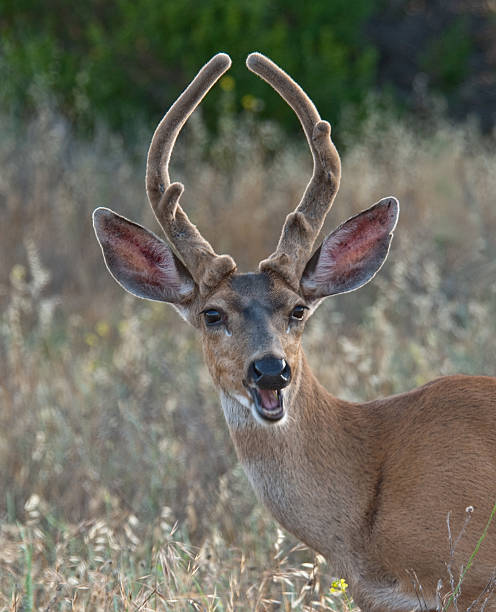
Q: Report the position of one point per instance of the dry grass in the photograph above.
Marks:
(111, 430)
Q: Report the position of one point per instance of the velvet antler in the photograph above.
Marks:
(302, 226)
(205, 266)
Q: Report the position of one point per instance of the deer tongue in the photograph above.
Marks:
(268, 403)
(270, 399)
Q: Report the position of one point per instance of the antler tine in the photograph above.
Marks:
(302, 226)
(193, 250)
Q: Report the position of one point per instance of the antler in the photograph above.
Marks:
(205, 266)
(302, 226)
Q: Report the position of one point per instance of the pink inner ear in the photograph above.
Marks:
(141, 262)
(352, 254)
(146, 257)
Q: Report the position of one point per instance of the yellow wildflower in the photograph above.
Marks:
(338, 586)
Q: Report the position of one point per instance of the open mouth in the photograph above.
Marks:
(268, 403)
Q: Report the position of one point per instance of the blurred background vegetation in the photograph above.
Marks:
(110, 429)
(120, 62)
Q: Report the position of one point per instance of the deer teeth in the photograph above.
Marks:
(271, 412)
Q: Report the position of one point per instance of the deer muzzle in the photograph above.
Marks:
(267, 377)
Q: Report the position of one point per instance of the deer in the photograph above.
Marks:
(370, 485)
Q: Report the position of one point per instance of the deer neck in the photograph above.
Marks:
(313, 471)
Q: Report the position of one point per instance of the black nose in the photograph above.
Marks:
(270, 373)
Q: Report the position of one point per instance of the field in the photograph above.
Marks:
(119, 485)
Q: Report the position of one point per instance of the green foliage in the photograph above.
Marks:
(447, 57)
(126, 60)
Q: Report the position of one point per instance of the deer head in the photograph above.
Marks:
(251, 324)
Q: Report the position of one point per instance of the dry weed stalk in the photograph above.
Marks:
(93, 466)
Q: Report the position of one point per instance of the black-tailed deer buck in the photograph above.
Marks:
(368, 485)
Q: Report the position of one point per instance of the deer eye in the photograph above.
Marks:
(212, 317)
(298, 312)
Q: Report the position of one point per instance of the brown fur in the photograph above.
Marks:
(368, 485)
(256, 302)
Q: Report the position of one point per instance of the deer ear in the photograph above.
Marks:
(139, 261)
(353, 253)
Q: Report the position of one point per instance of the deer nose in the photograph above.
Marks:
(270, 373)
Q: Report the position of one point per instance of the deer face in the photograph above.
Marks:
(252, 328)
(251, 324)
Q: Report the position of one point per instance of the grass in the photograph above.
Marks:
(119, 485)
(451, 598)
(119, 563)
